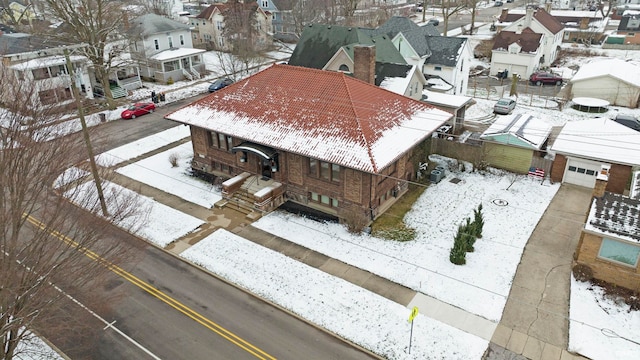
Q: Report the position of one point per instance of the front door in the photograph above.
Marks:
(266, 168)
(185, 64)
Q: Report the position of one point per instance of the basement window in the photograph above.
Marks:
(619, 252)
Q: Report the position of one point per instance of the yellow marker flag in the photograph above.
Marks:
(414, 313)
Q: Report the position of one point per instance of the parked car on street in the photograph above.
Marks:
(498, 3)
(504, 106)
(434, 22)
(219, 84)
(138, 109)
(544, 78)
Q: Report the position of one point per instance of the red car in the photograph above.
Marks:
(138, 109)
(540, 78)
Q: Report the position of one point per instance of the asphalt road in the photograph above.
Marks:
(172, 310)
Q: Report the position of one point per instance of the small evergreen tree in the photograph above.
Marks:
(458, 252)
(478, 221)
(468, 235)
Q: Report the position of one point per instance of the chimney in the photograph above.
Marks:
(601, 181)
(584, 23)
(503, 14)
(364, 63)
(528, 17)
(547, 7)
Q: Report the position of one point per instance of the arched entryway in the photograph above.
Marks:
(268, 157)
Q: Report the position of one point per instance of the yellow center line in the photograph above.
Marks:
(200, 319)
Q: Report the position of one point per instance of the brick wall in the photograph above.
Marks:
(557, 169)
(619, 177)
(610, 272)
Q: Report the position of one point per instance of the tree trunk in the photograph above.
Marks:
(104, 79)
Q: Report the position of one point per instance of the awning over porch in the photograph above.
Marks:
(176, 53)
(264, 152)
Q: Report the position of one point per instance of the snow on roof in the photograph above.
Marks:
(520, 129)
(438, 98)
(616, 68)
(176, 53)
(599, 139)
(47, 61)
(397, 85)
(615, 214)
(319, 114)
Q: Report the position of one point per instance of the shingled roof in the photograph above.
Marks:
(528, 40)
(318, 43)
(150, 24)
(615, 214)
(18, 43)
(445, 50)
(386, 52)
(324, 115)
(542, 16)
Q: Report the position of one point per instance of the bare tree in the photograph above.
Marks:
(96, 23)
(16, 19)
(43, 236)
(450, 8)
(298, 13)
(240, 28)
(158, 7)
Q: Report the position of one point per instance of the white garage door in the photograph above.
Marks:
(581, 172)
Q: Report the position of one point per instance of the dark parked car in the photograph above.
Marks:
(629, 121)
(138, 109)
(498, 3)
(542, 77)
(219, 84)
(434, 22)
(504, 106)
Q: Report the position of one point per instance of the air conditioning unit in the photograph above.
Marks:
(436, 176)
(442, 170)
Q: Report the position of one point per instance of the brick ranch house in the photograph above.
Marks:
(610, 240)
(321, 139)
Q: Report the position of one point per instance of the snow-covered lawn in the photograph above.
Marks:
(157, 171)
(151, 220)
(350, 311)
(142, 146)
(602, 328)
(482, 285)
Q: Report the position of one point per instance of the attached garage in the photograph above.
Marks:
(583, 147)
(581, 172)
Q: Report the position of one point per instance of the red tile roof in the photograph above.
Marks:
(320, 114)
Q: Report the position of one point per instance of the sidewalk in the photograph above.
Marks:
(534, 324)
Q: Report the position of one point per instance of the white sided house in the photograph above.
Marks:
(31, 59)
(516, 53)
(164, 50)
(541, 22)
(614, 80)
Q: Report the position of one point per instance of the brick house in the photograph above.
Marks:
(320, 139)
(610, 240)
(583, 147)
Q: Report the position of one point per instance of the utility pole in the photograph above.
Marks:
(85, 133)
(424, 10)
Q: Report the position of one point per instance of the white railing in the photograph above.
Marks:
(195, 73)
(187, 74)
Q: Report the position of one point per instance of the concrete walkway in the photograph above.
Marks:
(534, 323)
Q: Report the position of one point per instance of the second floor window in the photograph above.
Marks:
(156, 44)
(170, 41)
(219, 25)
(265, 3)
(220, 141)
(181, 40)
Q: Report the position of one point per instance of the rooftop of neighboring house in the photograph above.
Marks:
(325, 115)
(527, 40)
(150, 24)
(617, 68)
(543, 17)
(630, 22)
(599, 139)
(19, 43)
(394, 77)
(615, 215)
(523, 130)
(386, 52)
(445, 50)
(318, 43)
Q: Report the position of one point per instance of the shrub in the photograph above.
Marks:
(397, 234)
(468, 234)
(173, 159)
(355, 220)
(478, 221)
(582, 272)
(458, 252)
(170, 81)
